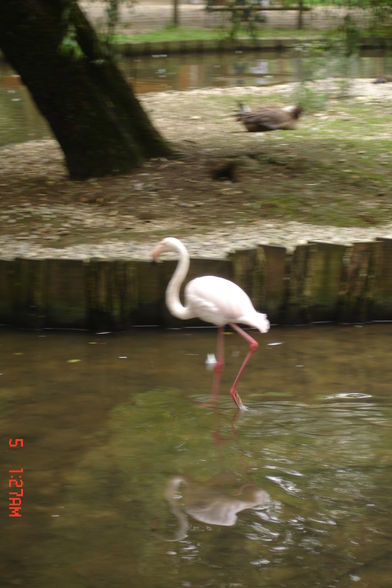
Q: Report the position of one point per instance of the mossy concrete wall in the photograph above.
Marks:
(142, 48)
(135, 49)
(316, 282)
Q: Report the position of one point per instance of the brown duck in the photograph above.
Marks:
(383, 80)
(268, 118)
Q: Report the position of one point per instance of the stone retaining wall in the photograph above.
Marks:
(136, 49)
(316, 282)
(205, 46)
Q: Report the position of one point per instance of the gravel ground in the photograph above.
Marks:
(215, 245)
(45, 215)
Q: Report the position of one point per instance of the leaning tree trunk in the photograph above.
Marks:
(75, 83)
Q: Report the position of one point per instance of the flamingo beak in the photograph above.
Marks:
(156, 252)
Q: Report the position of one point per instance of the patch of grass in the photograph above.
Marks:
(170, 34)
(185, 34)
(329, 182)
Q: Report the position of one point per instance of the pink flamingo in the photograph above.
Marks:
(213, 300)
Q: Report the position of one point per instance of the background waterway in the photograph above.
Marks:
(129, 481)
(20, 121)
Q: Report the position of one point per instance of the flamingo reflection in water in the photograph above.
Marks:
(210, 502)
(218, 500)
(214, 300)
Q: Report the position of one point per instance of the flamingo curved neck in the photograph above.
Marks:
(173, 301)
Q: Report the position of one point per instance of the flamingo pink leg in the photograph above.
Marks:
(219, 365)
(253, 345)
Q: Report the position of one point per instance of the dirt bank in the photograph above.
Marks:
(283, 182)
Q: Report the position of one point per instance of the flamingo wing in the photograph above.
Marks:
(217, 300)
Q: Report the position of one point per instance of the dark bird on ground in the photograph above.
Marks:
(225, 171)
(268, 118)
(383, 80)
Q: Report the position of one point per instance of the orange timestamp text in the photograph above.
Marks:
(15, 484)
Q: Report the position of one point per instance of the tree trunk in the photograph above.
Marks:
(77, 86)
(175, 19)
(300, 20)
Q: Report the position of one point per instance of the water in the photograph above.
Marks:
(129, 481)
(20, 121)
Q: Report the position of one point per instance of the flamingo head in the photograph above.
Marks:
(167, 244)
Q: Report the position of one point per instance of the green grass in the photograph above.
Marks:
(170, 34)
(185, 34)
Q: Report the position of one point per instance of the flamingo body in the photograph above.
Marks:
(220, 301)
(214, 300)
(208, 502)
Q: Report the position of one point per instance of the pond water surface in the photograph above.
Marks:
(130, 481)
(20, 121)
